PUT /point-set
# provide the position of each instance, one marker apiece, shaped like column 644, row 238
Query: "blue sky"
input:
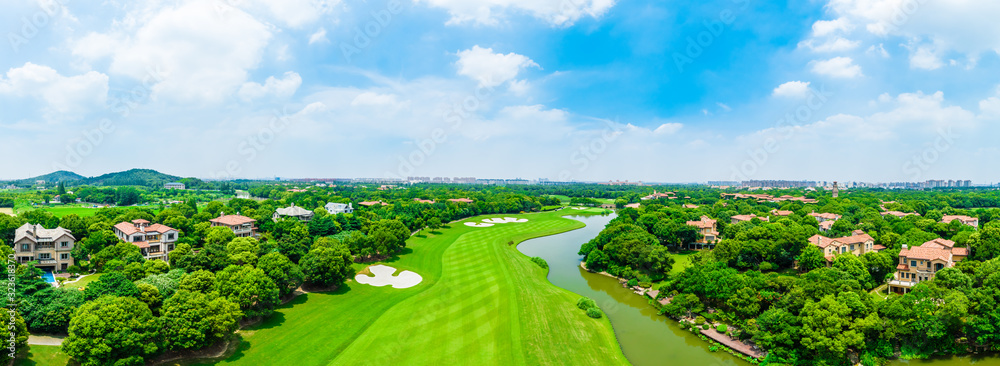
column 849, row 90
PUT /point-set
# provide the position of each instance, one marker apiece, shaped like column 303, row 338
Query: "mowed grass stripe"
column 481, row 302
column 492, row 307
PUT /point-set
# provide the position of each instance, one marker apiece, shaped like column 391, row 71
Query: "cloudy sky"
column 666, row 91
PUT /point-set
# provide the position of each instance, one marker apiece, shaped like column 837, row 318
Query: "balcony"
column 901, row 283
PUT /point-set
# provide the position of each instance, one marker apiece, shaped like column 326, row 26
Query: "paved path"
column 42, row 340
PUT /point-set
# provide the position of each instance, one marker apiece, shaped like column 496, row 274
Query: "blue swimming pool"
column 48, row 277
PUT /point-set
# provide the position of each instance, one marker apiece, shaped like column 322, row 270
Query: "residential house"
column 958, row 253
column 295, row 212
column 823, row 217
column 373, row 203
column 460, row 200
column 921, row 264
column 690, row 206
column 339, row 208
column 781, row 213
column 656, row 195
column 155, row 241
column 49, row 247
column 826, row 226
column 741, row 218
column 858, row 244
column 174, row 185
column 965, row 220
column 709, row 231
column 418, row 200
column 242, row 226
column 899, row 214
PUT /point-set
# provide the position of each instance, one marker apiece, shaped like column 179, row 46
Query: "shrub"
column 633, row 282
column 705, row 326
column 713, row 348
column 722, row 328
column 699, row 320
column 645, row 284
column 540, row 262
column 594, row 312
column 585, row 303
column 767, row 266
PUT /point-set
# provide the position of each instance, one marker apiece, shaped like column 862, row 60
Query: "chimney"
column 906, row 246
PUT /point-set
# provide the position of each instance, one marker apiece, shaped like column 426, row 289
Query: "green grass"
column 43, row 356
column 481, row 302
column 681, row 262
column 83, row 282
column 81, row 210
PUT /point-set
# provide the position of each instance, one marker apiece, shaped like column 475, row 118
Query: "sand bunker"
column 383, row 276
column 579, row 208
column 476, row 224
column 505, row 220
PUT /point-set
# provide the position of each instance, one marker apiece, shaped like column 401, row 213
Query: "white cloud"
column 838, row 67
column 968, row 27
column 792, row 89
column 878, row 50
column 724, row 106
column 491, row 69
column 319, row 36
column 490, row 12
column 291, row 13
column 282, row 88
column 826, row 27
column 668, row 128
column 63, row 94
column 204, row 52
column 924, row 57
column 837, row 44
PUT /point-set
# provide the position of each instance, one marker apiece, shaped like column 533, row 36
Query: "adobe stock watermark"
column 454, row 117
column 251, row 147
column 786, row 128
column 32, row 25
column 79, row 149
column 920, row 163
column 714, row 29
column 588, row 153
column 365, row 34
column 901, row 15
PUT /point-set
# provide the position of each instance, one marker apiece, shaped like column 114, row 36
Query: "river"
column 646, row 338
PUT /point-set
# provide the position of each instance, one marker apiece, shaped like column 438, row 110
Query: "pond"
column 646, row 338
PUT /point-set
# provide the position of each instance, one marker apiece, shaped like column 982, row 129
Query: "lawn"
column 481, row 302
column 81, row 210
column 681, row 262
column 43, row 356
column 83, row 282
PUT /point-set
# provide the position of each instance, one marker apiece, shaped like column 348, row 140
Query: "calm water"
column 645, row 337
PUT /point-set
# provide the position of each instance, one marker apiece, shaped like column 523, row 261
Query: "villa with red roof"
column 821, row 217
column 922, row 263
column 242, row 226
column 373, row 203
column 741, row 218
column 965, row 220
column 418, row 200
column 709, row 232
column 460, row 200
column 899, row 214
column 781, row 213
column 656, row 195
column 155, row 241
column 858, row 244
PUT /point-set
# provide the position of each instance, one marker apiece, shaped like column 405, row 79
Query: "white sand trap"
column 383, row 277
column 505, row 220
column 476, row 224
column 579, row 208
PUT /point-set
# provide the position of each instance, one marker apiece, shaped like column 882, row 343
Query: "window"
column 64, row 256
column 852, row 247
column 64, row 244
column 913, row 263
column 25, row 247
column 44, row 256
column 170, row 236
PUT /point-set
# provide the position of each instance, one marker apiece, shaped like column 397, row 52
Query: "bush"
column 722, row 328
column 699, row 320
column 713, row 348
column 645, row 284
column 594, row 312
column 540, row 262
column 705, row 326
column 585, row 303
column 767, row 266
column 633, row 282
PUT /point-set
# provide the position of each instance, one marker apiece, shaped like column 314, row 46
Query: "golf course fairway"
column 480, row 302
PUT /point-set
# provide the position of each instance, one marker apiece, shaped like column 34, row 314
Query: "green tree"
column 285, row 274
column 112, row 330
column 250, row 288
column 197, row 281
column 811, row 258
column 827, row 329
column 243, row 251
column 111, row 284
column 327, row 267
column 193, row 320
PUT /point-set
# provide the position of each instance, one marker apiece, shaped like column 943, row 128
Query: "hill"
column 54, row 177
column 134, row 177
